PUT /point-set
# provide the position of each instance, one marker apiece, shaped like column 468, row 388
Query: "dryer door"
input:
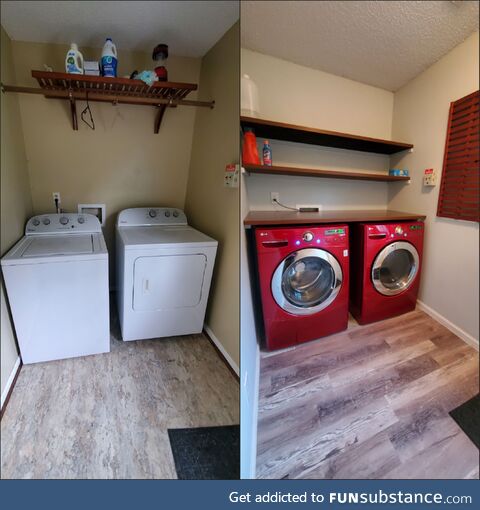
column 307, row 281
column 394, row 268
column 165, row 282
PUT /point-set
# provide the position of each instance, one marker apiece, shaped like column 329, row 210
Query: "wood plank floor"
column 370, row 402
column 106, row 416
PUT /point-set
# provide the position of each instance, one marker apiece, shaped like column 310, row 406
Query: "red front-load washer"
column 303, row 281
column 386, row 261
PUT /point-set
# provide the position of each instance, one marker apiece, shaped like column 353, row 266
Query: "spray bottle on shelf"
column 74, row 60
column 108, row 62
column 267, row 153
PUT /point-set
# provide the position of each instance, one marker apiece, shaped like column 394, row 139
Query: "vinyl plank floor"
column 370, row 402
column 106, row 416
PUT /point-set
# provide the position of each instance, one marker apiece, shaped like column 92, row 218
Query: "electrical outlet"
column 56, row 196
column 274, row 196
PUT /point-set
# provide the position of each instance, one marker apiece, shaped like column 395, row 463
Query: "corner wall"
column 16, row 200
column 210, row 206
column 299, row 95
column 450, row 273
column 122, row 163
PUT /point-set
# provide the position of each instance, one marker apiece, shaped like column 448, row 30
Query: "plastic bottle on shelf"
column 267, row 153
column 249, row 148
column 108, row 62
column 74, row 60
column 249, row 97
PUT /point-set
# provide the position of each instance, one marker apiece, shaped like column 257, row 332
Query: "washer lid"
column 42, row 246
column 152, row 237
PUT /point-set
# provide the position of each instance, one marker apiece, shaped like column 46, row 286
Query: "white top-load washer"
column 164, row 270
column 56, row 278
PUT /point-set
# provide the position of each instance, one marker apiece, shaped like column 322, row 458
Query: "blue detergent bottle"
column 108, row 63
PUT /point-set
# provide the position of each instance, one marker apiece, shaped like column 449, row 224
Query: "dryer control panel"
column 151, row 216
column 63, row 223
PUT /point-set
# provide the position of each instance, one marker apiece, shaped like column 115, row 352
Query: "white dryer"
column 56, row 278
column 164, row 270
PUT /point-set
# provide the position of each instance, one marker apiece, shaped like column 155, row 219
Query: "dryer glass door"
column 166, row 282
column 395, row 268
column 306, row 281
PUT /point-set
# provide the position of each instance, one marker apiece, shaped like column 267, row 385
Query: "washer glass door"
column 306, row 281
column 395, row 268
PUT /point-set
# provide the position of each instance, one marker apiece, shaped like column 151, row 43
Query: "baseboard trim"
column 10, row 385
column 221, row 350
column 466, row 337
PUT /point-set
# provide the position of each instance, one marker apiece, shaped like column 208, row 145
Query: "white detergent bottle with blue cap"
column 108, row 63
column 74, row 60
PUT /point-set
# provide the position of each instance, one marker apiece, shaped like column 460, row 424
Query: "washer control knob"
column 399, row 230
column 152, row 213
column 307, row 236
column 63, row 220
column 46, row 221
column 175, row 214
column 81, row 220
column 36, row 222
column 167, row 214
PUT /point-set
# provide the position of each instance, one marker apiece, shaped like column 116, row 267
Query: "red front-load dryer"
column 386, row 261
column 303, row 281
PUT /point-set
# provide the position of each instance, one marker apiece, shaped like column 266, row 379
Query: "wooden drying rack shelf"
column 74, row 87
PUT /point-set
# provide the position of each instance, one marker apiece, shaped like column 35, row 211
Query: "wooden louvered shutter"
column 459, row 190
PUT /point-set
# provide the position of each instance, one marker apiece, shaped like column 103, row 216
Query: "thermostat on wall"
column 96, row 209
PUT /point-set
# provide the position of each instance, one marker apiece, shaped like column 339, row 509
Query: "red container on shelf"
column 249, row 149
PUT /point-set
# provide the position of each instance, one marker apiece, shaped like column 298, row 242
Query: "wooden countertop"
column 257, row 218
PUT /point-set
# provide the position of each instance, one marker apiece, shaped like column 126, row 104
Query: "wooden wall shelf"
column 300, row 134
column 314, row 172
column 276, row 218
column 111, row 90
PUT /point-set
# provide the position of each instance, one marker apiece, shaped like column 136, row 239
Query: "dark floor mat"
column 468, row 418
column 206, row 453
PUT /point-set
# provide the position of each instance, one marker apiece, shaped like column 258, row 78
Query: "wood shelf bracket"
column 158, row 119
column 73, row 109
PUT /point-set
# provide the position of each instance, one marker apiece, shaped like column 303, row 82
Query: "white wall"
column 250, row 354
column 299, row 95
column 450, row 271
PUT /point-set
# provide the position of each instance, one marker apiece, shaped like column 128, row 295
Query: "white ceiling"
column 381, row 43
column 190, row 28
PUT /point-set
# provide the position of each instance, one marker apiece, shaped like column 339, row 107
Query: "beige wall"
column 210, row 206
column 122, row 163
column 299, row 95
column 16, row 201
column 450, row 271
